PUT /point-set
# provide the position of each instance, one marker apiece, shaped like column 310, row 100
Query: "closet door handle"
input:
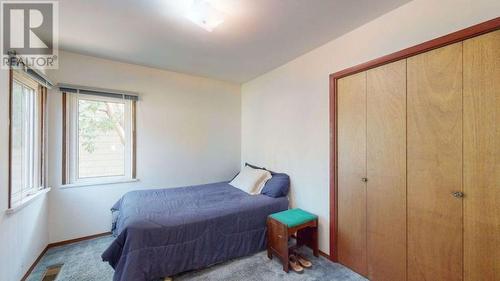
column 458, row 194
column 364, row 179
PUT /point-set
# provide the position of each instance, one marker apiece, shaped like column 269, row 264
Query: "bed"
column 163, row 232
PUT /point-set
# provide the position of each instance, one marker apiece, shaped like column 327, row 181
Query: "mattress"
column 162, row 232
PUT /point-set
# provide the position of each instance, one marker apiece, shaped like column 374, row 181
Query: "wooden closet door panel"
column 386, row 172
column 351, row 169
column 482, row 158
column 434, row 161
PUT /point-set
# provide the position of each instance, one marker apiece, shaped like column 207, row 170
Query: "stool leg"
column 286, row 264
column 285, row 259
column 270, row 236
column 315, row 241
column 284, row 248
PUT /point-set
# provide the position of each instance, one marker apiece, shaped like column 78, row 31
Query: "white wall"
column 24, row 234
column 285, row 113
column 188, row 132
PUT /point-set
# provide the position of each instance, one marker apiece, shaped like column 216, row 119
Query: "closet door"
column 386, row 172
column 482, row 158
column 434, row 102
column 351, row 208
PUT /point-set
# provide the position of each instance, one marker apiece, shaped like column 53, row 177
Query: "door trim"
column 461, row 35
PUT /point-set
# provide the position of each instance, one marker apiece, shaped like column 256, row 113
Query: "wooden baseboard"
column 57, row 244
column 325, row 255
column 34, row 264
column 65, row 242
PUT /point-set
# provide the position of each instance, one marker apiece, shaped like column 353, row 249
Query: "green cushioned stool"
column 282, row 225
column 294, row 217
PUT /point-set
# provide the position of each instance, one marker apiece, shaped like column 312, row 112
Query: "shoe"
column 303, row 261
column 295, row 265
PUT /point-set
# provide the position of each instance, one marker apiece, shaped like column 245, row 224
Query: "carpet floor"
column 82, row 262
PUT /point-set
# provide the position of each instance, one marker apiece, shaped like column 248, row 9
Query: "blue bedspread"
column 163, row 232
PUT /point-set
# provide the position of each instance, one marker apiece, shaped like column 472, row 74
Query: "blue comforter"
column 163, row 232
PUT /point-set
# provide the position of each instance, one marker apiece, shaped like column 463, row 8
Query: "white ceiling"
column 257, row 35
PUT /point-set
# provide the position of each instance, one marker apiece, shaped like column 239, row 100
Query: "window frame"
column 36, row 135
column 71, row 141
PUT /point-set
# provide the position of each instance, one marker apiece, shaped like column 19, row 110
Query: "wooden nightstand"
column 282, row 225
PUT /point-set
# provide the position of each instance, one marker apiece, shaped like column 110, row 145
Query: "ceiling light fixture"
column 205, row 15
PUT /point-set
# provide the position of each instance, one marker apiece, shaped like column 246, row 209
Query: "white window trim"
column 77, row 185
column 34, row 148
column 72, row 143
column 27, row 200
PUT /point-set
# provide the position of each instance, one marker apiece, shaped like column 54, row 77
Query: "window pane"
column 24, row 150
column 101, row 139
column 30, row 133
column 18, row 171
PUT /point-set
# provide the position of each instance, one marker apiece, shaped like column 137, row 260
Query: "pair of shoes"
column 298, row 263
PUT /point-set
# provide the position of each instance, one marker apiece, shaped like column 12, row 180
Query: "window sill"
column 75, row 185
column 27, row 200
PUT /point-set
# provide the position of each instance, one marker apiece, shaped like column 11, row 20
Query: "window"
column 26, row 153
column 99, row 139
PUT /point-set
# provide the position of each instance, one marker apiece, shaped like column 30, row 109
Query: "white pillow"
column 267, row 176
column 251, row 180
